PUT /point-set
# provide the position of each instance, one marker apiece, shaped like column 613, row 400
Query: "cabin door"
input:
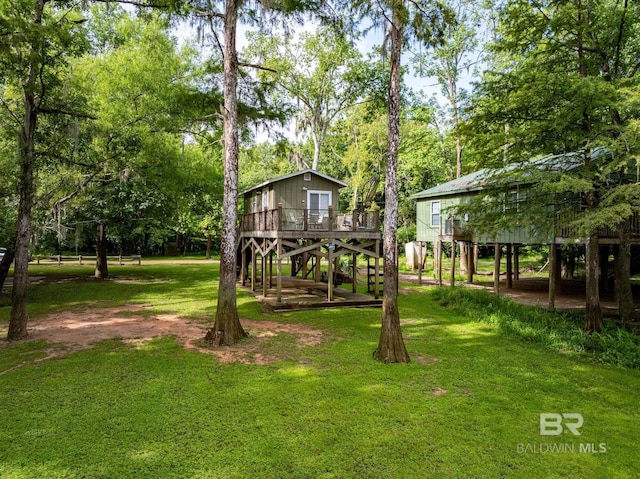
column 319, row 202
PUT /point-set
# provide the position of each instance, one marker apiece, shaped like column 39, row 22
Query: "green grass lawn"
column 467, row 406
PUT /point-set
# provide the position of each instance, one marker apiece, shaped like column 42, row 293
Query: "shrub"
column 561, row 332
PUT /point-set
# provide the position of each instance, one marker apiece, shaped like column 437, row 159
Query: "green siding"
column 291, row 193
column 429, row 233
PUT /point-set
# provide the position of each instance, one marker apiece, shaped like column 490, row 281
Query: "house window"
column 319, row 202
column 265, row 200
column 435, row 213
column 307, row 177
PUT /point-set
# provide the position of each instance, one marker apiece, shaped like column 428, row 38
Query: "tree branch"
column 257, row 67
column 57, row 111
column 135, row 3
column 209, row 15
column 10, row 112
column 70, row 196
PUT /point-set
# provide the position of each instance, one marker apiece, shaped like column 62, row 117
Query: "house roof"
column 342, row 184
column 479, row 179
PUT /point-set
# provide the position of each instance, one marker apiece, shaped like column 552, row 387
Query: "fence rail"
column 81, row 259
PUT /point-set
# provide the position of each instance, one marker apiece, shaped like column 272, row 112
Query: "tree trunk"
column 227, row 328
column 593, row 313
column 623, row 273
column 317, row 143
column 464, row 257
column 27, row 157
column 208, row 254
column 102, row 268
column 5, row 265
column 391, row 348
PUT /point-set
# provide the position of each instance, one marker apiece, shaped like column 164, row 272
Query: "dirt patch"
column 439, row 392
column 425, row 361
column 71, row 331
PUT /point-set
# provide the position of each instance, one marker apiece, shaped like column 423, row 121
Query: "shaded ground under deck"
column 300, row 294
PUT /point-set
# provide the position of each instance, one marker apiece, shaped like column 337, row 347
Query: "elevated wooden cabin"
column 295, row 217
column 436, row 223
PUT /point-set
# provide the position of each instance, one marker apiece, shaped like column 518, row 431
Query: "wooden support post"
column 470, row 264
column 420, row 263
column 254, row 260
column 264, row 273
column 376, row 286
column 476, row 256
column 354, row 272
column 279, row 209
column 435, row 260
column 516, row 262
column 496, row 268
column 305, row 260
column 279, row 278
column 80, row 260
column 439, row 262
column 330, row 225
column 317, row 273
column 553, row 277
column 509, row 266
column 271, row 270
column 330, row 277
column 243, row 264
column 453, row 263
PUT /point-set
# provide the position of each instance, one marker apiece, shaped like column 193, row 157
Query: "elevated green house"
column 441, row 218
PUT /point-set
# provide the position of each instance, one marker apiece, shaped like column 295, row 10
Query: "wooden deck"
column 300, row 223
column 301, row 294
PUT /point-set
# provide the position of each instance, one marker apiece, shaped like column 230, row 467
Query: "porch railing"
column 566, row 229
column 312, row 220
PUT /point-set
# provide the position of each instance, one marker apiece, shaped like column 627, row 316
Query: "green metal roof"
column 479, row 179
column 467, row 183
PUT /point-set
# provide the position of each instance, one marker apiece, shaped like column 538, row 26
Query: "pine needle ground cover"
column 468, row 405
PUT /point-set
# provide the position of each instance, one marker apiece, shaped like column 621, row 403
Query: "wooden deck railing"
column 312, row 220
column 566, row 230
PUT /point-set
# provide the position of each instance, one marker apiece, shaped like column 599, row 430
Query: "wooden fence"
column 135, row 259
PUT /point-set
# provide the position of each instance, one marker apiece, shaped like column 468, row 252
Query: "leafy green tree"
column 316, row 77
column 406, row 21
column 199, row 205
column 563, row 79
column 38, row 40
column 447, row 63
column 122, row 169
column 223, row 18
column 422, row 162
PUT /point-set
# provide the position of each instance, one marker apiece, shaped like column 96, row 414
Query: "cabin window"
column 307, row 177
column 265, row 200
column 319, row 202
column 513, row 200
column 435, row 213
